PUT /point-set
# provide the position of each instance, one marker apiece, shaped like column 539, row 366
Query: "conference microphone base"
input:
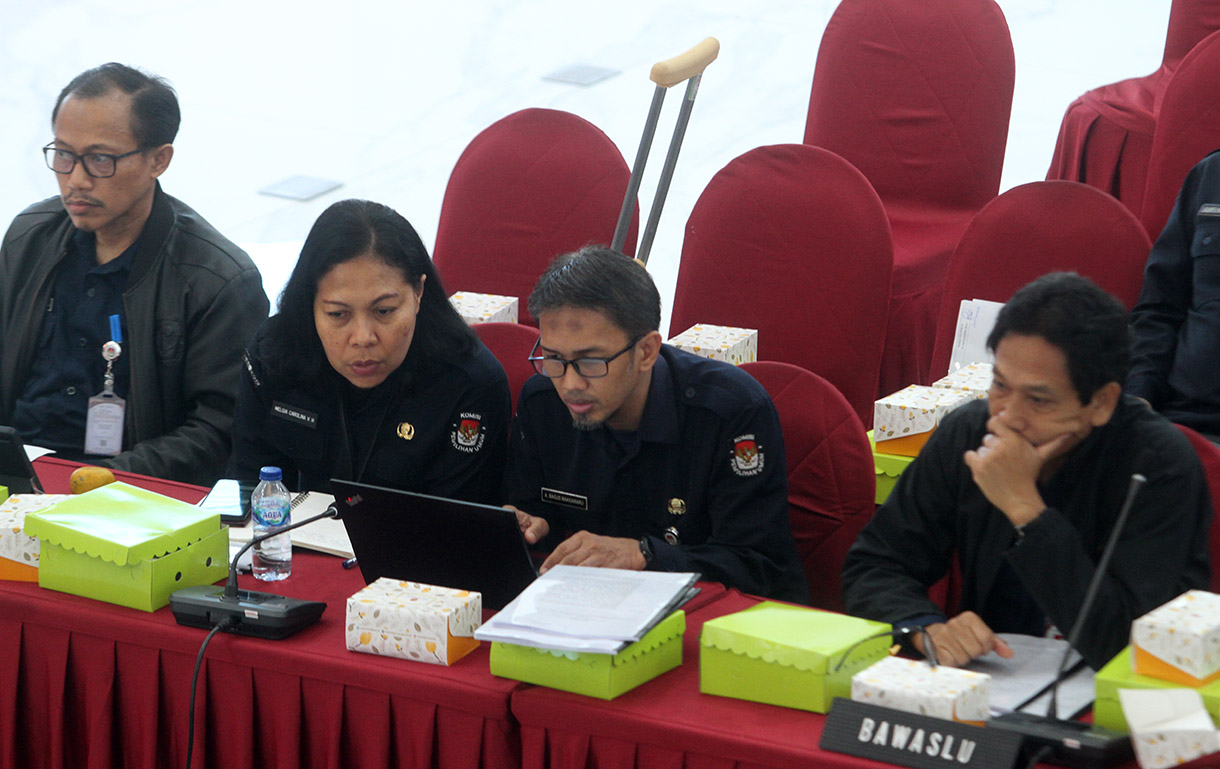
column 1071, row 743
column 262, row 615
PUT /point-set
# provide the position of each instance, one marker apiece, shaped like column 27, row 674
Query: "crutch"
column 688, row 66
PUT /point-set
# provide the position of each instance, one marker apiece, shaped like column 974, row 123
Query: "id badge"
column 104, row 424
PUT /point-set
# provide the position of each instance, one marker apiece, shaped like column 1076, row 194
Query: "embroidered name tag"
column 565, row 498
column 295, row 414
column 1209, row 209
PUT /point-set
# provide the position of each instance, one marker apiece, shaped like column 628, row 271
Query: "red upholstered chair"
column 1187, row 129
column 530, row 187
column 1034, row 229
column 511, row 343
column 830, row 472
column 1105, row 139
column 917, row 96
column 791, row 240
column 1209, row 457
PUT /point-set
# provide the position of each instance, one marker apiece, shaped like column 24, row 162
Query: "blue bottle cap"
column 270, row 473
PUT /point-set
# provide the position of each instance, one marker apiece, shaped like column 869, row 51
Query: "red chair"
column 530, row 187
column 1209, row 457
column 1034, row 229
column 512, row 344
column 1187, row 129
column 917, row 96
column 791, row 240
column 1105, row 139
column 831, row 479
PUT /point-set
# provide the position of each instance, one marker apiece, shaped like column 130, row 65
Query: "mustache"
column 81, row 199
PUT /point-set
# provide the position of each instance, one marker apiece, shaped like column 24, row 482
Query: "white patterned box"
column 974, row 379
column 1168, row 726
column 902, row 421
column 917, row 687
column 726, row 343
column 15, row 545
column 484, row 308
column 414, row 621
column 1179, row 641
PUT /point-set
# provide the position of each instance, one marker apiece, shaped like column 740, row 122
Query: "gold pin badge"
column 406, row 430
column 677, row 506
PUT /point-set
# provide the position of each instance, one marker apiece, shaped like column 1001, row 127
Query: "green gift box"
column 787, row 655
column 125, row 545
column 605, row 676
column 1119, row 673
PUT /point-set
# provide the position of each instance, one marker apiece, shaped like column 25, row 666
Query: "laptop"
column 437, row 541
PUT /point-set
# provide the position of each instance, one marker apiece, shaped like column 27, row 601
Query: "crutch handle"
column 684, row 66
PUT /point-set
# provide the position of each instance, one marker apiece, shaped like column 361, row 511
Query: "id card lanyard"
column 104, row 418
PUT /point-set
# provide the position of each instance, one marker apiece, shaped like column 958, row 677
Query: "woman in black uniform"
column 367, row 373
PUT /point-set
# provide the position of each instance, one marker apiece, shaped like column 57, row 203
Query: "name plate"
column 920, row 742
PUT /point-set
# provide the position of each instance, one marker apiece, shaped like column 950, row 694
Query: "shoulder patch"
column 747, row 458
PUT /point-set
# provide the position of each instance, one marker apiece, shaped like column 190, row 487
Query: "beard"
column 585, row 423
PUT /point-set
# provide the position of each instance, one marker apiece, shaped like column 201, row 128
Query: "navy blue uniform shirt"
column 68, row 367
column 706, row 465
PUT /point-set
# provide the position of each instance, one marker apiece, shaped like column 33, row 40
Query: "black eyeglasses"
column 99, row 165
column 589, row 368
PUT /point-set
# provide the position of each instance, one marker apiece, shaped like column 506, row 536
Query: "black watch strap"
column 646, row 550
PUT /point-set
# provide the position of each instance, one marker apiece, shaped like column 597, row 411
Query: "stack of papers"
column 1023, row 682
column 584, row 609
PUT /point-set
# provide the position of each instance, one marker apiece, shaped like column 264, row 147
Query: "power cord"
column 225, row 623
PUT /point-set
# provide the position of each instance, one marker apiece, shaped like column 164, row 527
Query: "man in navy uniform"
column 631, row 454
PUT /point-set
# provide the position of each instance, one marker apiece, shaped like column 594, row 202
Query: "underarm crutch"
column 688, row 66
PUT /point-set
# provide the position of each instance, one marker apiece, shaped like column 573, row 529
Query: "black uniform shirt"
column 705, row 478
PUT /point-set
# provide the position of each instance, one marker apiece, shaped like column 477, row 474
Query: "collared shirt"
column 68, row 366
column 704, row 478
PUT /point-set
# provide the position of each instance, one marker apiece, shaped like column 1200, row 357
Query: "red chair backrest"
column 1189, row 22
column 532, row 186
column 791, row 240
column 916, row 95
column 1187, row 130
column 1209, row 457
column 511, row 343
column 1034, row 229
column 831, row 478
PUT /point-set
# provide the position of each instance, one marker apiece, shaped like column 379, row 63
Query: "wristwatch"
column 646, row 550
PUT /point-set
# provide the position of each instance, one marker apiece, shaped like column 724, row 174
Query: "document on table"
column 975, row 319
column 577, row 608
column 1029, row 674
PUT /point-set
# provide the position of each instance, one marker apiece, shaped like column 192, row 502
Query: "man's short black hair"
column 1074, row 314
column 599, row 278
column 154, row 105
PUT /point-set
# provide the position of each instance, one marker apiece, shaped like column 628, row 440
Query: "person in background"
column 1023, row 490
column 631, row 454
column 113, row 259
column 367, row 373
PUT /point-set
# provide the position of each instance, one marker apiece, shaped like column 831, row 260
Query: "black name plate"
column 920, row 742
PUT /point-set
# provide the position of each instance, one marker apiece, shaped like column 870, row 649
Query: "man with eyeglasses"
column 123, row 313
column 631, row 454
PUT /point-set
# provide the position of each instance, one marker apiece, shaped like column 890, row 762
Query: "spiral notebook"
column 326, row 536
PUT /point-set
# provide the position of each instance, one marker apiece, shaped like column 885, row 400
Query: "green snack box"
column 1118, row 673
column 597, row 675
column 125, row 545
column 888, row 468
column 786, row 655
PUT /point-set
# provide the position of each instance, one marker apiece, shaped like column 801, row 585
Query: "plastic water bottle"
column 271, row 505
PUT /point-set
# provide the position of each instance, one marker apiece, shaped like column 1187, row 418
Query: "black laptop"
column 437, row 541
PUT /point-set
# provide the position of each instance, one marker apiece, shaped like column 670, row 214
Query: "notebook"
column 437, row 541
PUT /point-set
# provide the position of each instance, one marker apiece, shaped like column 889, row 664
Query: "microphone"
column 1076, row 743
column 252, row 613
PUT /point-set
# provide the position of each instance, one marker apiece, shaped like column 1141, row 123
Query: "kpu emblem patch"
column 467, row 434
column 747, row 456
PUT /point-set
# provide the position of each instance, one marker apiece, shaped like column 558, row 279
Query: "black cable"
column 1038, row 755
column 224, row 624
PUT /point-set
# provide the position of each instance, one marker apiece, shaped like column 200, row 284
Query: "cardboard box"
column 726, row 343
column 1168, row 727
column 916, row 687
column 1180, row 641
column 974, row 378
column 484, row 308
column 18, row 550
column 1119, row 673
column 413, row 621
column 122, row 544
column 604, row 676
column 903, row 421
column 787, row 655
column 889, row 468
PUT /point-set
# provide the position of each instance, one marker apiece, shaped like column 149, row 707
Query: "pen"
column 349, row 563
